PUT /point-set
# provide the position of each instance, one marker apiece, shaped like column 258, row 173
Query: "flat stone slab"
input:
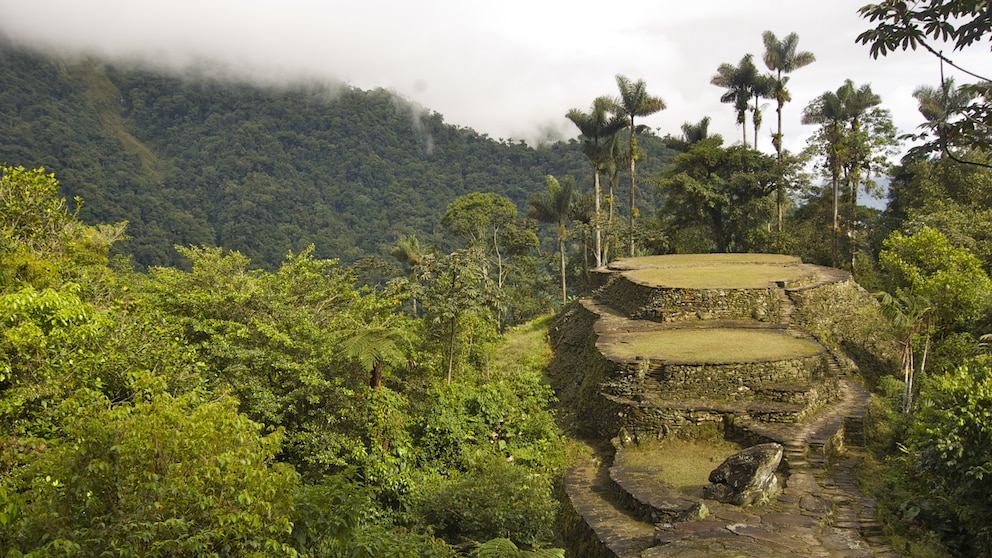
column 715, row 539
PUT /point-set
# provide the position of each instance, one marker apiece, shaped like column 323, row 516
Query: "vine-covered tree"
column 723, row 191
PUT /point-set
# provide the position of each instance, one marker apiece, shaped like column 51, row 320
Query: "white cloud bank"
column 510, row 68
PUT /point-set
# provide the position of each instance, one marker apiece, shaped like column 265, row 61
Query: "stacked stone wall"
column 578, row 372
column 733, row 380
column 669, row 304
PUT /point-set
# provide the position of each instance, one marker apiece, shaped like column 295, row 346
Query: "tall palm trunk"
column 780, row 186
column 836, row 225
column 598, row 241
column 561, row 255
column 633, row 181
column 853, row 225
column 614, row 182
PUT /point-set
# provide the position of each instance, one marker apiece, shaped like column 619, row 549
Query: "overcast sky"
column 509, row 68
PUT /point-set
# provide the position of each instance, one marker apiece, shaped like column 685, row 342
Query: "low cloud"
column 510, row 69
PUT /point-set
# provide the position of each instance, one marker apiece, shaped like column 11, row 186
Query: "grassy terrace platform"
column 708, row 345
column 712, row 271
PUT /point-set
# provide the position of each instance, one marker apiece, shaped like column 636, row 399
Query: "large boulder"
column 746, row 478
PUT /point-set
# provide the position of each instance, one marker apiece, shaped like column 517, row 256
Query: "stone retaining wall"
column 578, row 372
column 667, row 304
column 729, row 380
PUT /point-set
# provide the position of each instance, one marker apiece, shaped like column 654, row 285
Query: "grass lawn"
column 694, row 259
column 684, row 464
column 709, row 345
column 715, row 276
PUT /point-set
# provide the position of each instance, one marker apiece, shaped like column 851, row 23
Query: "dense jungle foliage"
column 287, row 321
column 233, row 411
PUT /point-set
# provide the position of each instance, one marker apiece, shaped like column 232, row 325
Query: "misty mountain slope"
column 262, row 170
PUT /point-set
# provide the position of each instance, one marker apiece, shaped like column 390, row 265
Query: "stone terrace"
column 671, row 344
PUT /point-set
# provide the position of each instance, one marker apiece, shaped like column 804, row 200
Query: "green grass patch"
column 715, row 276
column 695, row 259
column 684, row 464
column 524, row 347
column 710, row 345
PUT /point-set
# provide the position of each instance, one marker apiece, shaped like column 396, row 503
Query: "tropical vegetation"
column 310, row 321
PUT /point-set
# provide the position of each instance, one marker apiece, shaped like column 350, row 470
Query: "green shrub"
column 493, row 499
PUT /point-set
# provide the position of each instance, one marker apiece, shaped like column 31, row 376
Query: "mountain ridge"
column 260, row 169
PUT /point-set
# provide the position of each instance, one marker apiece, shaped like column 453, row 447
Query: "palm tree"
column 910, row 315
column 554, row 207
column 691, row 134
column 782, row 57
column 859, row 103
column 634, row 101
column 596, row 127
column 740, row 82
column 618, row 157
column 830, row 112
column 408, row 252
column 939, row 105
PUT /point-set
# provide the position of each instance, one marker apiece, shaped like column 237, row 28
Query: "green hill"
column 264, row 170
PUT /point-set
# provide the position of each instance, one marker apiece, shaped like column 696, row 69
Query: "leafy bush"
column 162, row 477
column 952, row 444
column 494, row 498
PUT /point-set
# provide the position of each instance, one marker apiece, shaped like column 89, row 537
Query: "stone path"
column 820, row 513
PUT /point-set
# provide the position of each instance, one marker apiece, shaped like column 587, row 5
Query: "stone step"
column 871, row 528
column 616, row 529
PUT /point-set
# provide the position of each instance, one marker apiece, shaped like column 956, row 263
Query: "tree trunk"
column 756, row 122
column 853, row 226
column 451, row 348
column 561, row 251
column 836, row 223
column 614, row 181
column 454, row 329
column 585, row 255
column 780, row 187
column 376, row 379
column 598, row 241
column 633, row 174
column 742, row 120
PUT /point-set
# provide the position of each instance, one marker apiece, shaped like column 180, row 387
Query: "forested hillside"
column 199, row 161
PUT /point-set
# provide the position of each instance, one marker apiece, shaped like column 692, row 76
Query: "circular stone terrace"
column 714, row 271
column 714, row 345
